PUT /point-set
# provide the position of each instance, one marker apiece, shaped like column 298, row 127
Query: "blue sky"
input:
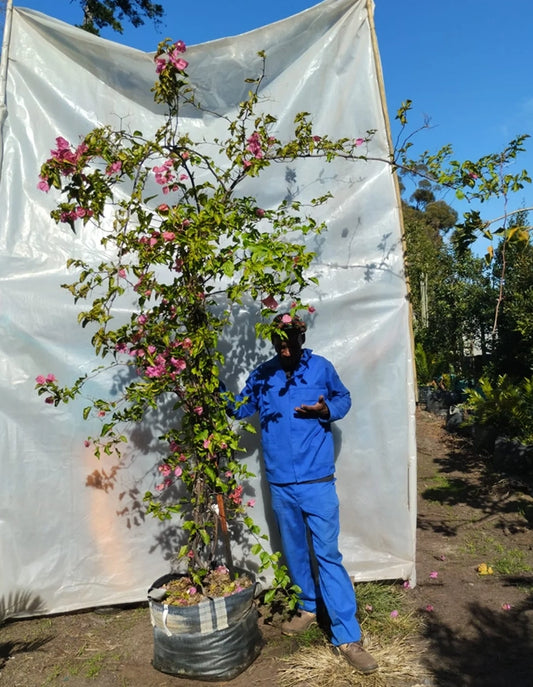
column 465, row 64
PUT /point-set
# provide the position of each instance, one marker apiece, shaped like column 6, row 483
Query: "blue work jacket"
column 295, row 449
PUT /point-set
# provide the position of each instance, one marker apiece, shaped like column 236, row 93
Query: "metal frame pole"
column 3, row 75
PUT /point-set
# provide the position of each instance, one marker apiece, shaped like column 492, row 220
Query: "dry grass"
column 318, row 666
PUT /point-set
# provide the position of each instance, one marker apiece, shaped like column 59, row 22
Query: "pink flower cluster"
column 236, row 495
column 41, row 379
column 114, row 168
column 165, row 177
column 167, row 472
column 152, row 365
column 159, row 368
column 65, row 156
column 77, row 213
column 173, row 57
column 254, row 146
column 155, row 236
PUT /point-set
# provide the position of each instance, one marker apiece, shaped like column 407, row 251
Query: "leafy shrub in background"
column 504, row 405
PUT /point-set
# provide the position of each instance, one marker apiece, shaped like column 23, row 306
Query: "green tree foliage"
column 461, row 304
column 451, row 293
column 98, row 14
column 513, row 273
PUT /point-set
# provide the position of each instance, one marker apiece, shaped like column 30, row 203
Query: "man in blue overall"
column 298, row 395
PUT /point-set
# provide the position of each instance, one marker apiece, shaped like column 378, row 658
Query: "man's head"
column 290, row 339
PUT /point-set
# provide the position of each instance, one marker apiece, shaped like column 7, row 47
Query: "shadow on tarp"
column 21, row 602
column 242, row 352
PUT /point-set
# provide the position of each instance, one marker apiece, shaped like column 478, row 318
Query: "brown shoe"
column 357, row 657
column 299, row 623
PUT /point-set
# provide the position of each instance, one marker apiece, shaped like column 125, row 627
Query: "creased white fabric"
column 72, row 532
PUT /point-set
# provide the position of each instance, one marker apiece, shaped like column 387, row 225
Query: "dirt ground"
column 477, row 629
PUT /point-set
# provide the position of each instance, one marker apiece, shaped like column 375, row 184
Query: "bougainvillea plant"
column 186, row 250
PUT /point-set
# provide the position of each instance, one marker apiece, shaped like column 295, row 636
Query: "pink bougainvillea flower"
column 506, row 607
column 250, row 503
column 179, row 62
column 394, row 614
column 246, row 164
column 51, row 378
column 163, row 208
column 186, row 343
column 114, row 167
column 228, row 473
column 160, row 64
column 430, row 608
column 311, row 309
column 142, row 319
column 159, row 487
column 359, row 141
column 43, row 185
column 168, row 235
column 198, row 410
column 259, row 212
column 406, row 585
column 191, row 591
column 316, row 139
column 254, row 145
column 178, row 471
column 433, row 575
column 180, row 46
column 40, row 379
column 236, row 495
column 165, row 469
column 49, row 400
column 207, row 443
column 286, row 319
column 62, row 144
column 270, row 302
column 101, row 413
column 190, row 554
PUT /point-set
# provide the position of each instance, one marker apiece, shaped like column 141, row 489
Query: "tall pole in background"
column 3, row 75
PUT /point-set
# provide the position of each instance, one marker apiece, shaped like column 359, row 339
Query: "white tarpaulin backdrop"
column 72, row 533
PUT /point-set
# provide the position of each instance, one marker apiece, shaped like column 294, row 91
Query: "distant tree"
column 513, row 273
column 98, row 14
column 423, row 195
column 440, row 215
column 451, row 292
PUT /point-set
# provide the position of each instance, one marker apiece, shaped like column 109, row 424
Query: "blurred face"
column 289, row 350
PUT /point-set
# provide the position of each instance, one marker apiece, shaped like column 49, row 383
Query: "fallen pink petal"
column 433, row 575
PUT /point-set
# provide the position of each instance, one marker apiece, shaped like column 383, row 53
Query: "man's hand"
column 318, row 410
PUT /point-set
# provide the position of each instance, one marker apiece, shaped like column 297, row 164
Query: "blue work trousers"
column 314, row 507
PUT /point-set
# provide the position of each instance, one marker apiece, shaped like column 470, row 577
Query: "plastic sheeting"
column 72, row 529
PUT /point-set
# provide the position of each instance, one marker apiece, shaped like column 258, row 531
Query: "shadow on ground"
column 498, row 652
